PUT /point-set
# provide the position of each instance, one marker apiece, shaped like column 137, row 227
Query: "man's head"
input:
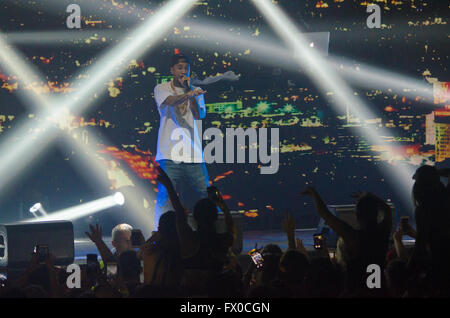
column 427, row 175
column 180, row 68
column 428, row 188
column 367, row 210
column 121, row 238
column 167, row 224
column 205, row 213
column 294, row 264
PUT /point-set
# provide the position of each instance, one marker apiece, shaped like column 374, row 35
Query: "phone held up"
column 136, row 238
column 257, row 258
column 318, row 241
column 92, row 264
column 42, row 252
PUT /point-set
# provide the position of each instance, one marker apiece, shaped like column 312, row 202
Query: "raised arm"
column 53, row 281
column 96, row 237
column 343, row 229
column 188, row 240
column 229, row 223
column 195, row 94
column 386, row 223
column 289, row 229
column 178, row 99
column 423, row 234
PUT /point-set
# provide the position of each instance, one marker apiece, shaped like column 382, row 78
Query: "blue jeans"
column 192, row 175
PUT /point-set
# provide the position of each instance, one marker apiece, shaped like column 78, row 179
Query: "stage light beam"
column 142, row 38
column 82, row 210
column 326, row 80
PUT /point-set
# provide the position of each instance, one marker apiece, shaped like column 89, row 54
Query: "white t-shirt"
column 178, row 135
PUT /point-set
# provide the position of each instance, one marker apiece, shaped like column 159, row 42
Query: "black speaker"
column 346, row 213
column 221, row 228
column 17, row 242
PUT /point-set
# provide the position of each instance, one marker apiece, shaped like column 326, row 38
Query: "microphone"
column 188, row 82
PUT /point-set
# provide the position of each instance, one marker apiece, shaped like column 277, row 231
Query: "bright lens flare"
column 120, row 199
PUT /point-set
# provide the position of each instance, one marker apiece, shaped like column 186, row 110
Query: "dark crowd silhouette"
column 177, row 261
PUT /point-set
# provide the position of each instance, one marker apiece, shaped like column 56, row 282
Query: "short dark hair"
column 180, row 58
column 167, row 224
column 427, row 174
column 129, row 265
column 205, row 212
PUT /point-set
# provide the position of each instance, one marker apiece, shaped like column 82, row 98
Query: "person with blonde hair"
column 121, row 241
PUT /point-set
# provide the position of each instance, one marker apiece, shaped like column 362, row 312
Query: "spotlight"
column 38, row 207
column 120, row 199
column 35, row 207
column 82, row 210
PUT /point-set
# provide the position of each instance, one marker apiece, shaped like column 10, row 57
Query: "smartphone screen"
column 136, row 238
column 318, row 241
column 92, row 265
column 257, row 259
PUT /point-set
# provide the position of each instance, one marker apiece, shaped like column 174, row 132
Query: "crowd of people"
column 177, row 261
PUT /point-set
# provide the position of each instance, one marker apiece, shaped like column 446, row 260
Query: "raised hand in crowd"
column 300, row 247
column 95, row 235
column 220, row 202
column 289, row 228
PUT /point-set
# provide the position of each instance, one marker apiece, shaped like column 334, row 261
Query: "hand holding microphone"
column 186, row 81
column 198, row 91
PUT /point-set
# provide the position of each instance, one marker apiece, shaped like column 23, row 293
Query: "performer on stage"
column 181, row 107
